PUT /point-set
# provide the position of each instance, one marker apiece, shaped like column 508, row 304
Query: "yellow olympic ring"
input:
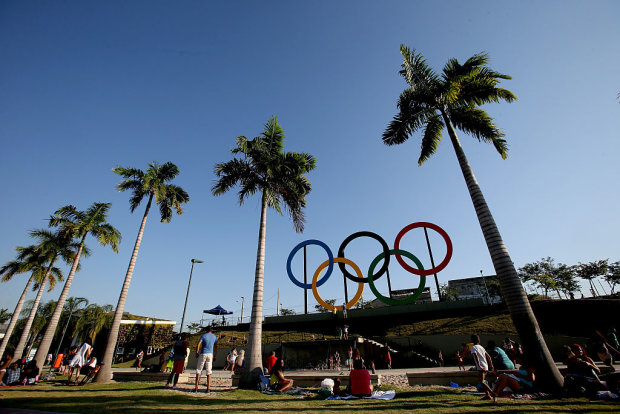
column 315, row 290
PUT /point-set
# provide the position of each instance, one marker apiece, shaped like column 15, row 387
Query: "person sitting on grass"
column 484, row 364
column 30, row 373
column 605, row 356
column 519, row 382
column 5, row 363
column 277, row 381
column 12, row 375
column 239, row 362
column 499, row 357
column 359, row 380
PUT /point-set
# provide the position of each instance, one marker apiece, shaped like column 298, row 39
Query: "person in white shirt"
column 80, row 358
column 484, row 364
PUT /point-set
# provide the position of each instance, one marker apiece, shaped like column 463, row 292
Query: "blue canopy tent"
column 218, row 310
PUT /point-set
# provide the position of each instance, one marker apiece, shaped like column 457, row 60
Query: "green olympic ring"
column 391, row 301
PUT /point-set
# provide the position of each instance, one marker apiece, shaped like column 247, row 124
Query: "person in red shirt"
column 271, row 361
column 359, row 380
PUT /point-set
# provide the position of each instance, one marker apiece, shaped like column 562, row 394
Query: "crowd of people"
column 582, row 375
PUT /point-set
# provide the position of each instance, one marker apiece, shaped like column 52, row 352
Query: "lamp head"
column 197, row 261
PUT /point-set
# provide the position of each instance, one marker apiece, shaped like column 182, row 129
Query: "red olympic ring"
column 433, row 270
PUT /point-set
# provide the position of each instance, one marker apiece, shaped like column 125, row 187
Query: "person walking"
column 206, row 353
column 484, row 364
column 180, row 351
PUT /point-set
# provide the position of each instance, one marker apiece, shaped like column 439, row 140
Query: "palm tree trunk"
column 519, row 306
column 592, row 289
column 46, row 342
column 105, row 374
column 254, row 365
column 19, row 349
column 14, row 317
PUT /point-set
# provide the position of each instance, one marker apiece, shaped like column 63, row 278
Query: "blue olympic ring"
column 329, row 269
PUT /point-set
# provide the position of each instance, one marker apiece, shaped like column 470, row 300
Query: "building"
column 481, row 287
column 148, row 334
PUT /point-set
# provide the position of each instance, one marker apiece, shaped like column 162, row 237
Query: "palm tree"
column 77, row 224
column 52, row 245
column 92, row 320
column 279, row 177
column 42, row 316
column 72, row 305
column 452, row 100
column 592, row 270
column 29, row 260
column 7, row 272
column 4, row 316
column 152, row 184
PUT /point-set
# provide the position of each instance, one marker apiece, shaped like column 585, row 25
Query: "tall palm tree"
column 77, row 224
column 154, row 183
column 279, row 177
column 29, row 260
column 7, row 272
column 452, row 100
column 51, row 246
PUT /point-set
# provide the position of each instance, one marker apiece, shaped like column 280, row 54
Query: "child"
column 483, row 364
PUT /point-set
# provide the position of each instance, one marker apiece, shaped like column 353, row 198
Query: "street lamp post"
column 187, row 294
column 242, row 302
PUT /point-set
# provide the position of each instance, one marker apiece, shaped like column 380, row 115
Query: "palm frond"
column 415, row 69
column 412, row 116
column 167, row 171
column 106, row 234
column 132, row 174
column 431, row 138
column 273, row 135
column 242, row 145
column 229, row 174
column 479, row 124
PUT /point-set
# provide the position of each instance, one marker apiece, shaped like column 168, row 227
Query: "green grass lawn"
column 140, row 397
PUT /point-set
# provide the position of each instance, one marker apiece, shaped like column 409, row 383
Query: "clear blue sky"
column 90, row 85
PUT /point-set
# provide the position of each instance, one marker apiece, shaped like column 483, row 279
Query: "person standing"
column 206, row 353
column 139, row 359
column 271, row 361
column 80, row 359
column 484, row 364
column 180, row 351
column 345, row 332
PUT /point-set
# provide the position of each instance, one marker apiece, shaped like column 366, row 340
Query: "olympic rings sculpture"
column 372, row 276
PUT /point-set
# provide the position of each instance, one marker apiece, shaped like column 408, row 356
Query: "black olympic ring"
column 386, row 252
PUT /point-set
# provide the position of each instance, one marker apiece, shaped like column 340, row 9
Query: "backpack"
column 263, row 383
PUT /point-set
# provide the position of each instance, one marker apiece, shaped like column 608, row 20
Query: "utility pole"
column 278, row 304
column 485, row 288
column 242, row 302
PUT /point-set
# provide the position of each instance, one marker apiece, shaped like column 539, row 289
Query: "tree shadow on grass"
column 248, row 401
